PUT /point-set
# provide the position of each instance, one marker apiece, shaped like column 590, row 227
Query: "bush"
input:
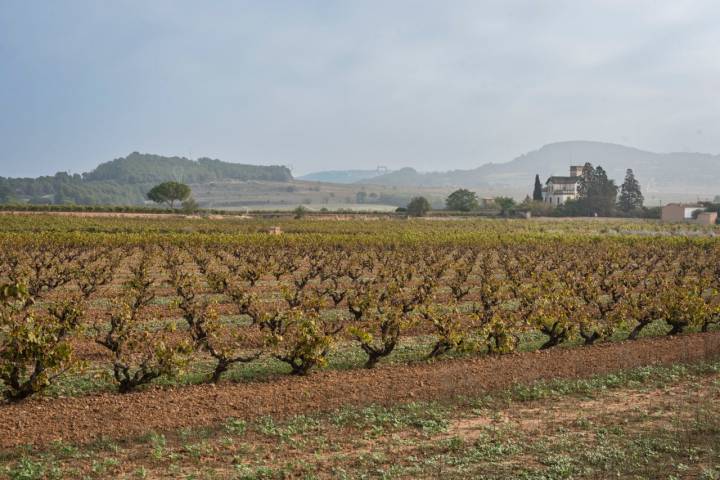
column 462, row 200
column 300, row 212
column 506, row 205
column 418, row 207
column 190, row 206
column 538, row 209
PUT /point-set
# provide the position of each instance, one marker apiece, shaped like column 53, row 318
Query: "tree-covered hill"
column 127, row 180
column 146, row 168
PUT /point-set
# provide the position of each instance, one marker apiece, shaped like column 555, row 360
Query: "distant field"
column 333, row 207
column 316, row 195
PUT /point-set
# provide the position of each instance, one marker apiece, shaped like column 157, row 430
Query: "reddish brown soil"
column 85, row 419
column 106, row 214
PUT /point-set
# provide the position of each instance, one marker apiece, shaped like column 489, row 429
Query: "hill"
column 145, row 168
column 126, row 180
column 340, row 176
column 670, row 174
column 409, row 177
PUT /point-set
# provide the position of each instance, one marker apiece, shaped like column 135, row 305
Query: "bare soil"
column 100, row 214
column 85, row 419
column 648, row 409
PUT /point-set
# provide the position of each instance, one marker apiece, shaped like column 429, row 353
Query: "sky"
column 323, row 85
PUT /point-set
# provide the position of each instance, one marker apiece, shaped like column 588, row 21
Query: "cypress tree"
column 537, row 192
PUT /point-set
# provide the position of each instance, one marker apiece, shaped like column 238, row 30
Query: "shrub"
column 462, row 200
column 190, row 206
column 418, row 207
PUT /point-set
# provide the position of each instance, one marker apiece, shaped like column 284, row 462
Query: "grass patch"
column 538, row 431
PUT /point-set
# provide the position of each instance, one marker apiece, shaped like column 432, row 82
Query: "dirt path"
column 647, row 409
column 85, row 419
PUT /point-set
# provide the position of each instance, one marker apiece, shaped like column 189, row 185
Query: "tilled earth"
column 89, row 418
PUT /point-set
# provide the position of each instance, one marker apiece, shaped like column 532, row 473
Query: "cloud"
column 324, row 84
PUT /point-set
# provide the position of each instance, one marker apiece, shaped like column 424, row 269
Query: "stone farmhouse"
column 559, row 190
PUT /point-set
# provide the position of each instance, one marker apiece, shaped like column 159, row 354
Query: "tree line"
column 599, row 195
column 461, row 200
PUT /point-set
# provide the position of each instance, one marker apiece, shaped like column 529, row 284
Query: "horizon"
column 325, row 86
column 296, row 174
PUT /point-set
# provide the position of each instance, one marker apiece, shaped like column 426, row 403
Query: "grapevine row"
column 155, row 307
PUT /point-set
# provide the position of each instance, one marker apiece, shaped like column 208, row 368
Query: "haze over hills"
column 214, row 184
column 664, row 177
column 675, row 175
column 340, row 176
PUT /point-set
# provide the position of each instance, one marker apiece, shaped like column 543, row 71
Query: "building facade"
column 559, row 190
column 681, row 212
column 707, row 218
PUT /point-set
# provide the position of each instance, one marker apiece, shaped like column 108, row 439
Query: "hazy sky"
column 351, row 84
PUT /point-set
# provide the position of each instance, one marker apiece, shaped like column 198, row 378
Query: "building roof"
column 565, row 180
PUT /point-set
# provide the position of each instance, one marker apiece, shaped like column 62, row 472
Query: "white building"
column 559, row 190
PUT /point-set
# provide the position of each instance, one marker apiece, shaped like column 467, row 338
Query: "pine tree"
column 596, row 193
column 603, row 193
column 631, row 197
column 599, row 182
column 537, row 192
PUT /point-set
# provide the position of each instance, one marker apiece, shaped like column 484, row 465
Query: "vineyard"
column 116, row 327
column 85, row 296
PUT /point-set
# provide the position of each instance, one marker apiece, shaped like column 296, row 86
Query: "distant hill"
column 409, row 177
column 339, row 176
column 146, row 168
column 126, row 180
column 662, row 173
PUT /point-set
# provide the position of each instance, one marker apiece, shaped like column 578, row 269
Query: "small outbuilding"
column 681, row 212
column 707, row 218
column 691, row 213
